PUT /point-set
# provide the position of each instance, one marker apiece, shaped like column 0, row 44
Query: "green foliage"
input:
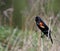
column 6, row 4
column 56, row 6
column 52, row 5
column 19, row 5
column 17, row 37
column 4, row 33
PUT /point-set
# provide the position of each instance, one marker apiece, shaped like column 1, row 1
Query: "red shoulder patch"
column 41, row 25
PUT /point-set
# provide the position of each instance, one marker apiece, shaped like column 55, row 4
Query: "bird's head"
column 37, row 19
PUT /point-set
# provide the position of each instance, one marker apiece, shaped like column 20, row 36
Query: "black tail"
column 50, row 38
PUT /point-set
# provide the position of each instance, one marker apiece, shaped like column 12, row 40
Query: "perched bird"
column 43, row 27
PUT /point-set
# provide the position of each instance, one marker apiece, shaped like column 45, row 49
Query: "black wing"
column 43, row 27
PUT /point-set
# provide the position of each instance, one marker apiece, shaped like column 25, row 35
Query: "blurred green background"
column 18, row 31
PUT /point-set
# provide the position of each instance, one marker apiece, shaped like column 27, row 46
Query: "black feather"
column 44, row 30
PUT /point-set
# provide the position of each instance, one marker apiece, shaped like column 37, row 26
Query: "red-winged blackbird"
column 43, row 27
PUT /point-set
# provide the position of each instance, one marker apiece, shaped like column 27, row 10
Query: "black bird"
column 43, row 27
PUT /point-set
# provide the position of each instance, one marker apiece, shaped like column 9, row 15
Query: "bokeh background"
column 18, row 30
